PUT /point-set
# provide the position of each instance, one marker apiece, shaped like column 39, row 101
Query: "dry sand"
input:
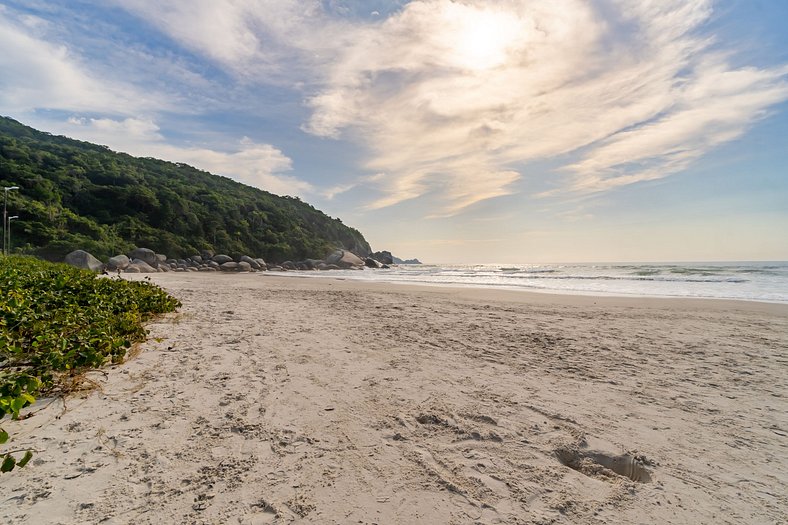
column 280, row 400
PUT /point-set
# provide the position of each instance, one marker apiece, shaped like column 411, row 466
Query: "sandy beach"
column 270, row 399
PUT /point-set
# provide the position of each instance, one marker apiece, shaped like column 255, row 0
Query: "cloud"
column 455, row 99
column 452, row 102
column 254, row 164
column 37, row 73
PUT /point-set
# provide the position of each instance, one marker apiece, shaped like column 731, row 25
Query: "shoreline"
column 282, row 400
column 495, row 289
column 522, row 295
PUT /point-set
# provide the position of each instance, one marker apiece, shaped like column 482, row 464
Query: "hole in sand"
column 588, row 463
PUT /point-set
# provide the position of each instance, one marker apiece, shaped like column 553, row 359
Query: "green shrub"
column 56, row 321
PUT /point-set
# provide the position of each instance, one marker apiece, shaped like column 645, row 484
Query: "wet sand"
column 270, row 399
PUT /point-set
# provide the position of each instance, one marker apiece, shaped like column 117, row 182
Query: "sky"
column 453, row 131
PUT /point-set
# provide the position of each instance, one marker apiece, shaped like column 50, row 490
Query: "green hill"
column 80, row 195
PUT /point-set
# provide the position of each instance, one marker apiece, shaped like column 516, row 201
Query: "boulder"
column 244, row 266
column 383, row 257
column 192, row 269
column 288, row 265
column 369, row 262
column 141, row 266
column 206, row 254
column 325, row 266
column 221, row 258
column 251, row 262
column 160, row 259
column 146, row 255
column 82, row 259
column 213, row 264
column 131, row 269
column 196, row 258
column 262, row 264
column 229, row 266
column 119, row 262
column 207, row 269
column 344, row 259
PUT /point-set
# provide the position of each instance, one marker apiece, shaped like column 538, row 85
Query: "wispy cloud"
column 457, row 98
column 37, row 73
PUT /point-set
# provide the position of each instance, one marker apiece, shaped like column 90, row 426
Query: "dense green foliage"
column 57, row 320
column 77, row 195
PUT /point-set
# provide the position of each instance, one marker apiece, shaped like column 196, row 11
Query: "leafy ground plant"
column 57, row 321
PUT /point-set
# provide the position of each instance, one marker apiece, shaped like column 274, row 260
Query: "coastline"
column 270, row 399
column 525, row 295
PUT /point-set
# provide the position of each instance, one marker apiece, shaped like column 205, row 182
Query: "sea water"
column 756, row 281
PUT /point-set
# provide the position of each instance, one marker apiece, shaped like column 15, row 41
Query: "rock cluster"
column 145, row 260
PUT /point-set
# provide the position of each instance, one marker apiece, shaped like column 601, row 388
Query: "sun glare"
column 483, row 39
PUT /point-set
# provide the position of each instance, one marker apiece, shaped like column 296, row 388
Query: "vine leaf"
column 8, row 464
column 22, row 462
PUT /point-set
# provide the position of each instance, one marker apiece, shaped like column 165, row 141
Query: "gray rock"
column 369, row 262
column 229, row 266
column 119, row 262
column 383, row 257
column 192, row 269
column 141, row 266
column 207, row 269
column 213, row 264
column 344, row 259
column 244, row 266
column 131, row 269
column 179, row 270
column 82, row 259
column 146, row 255
column 251, row 262
column 262, row 263
column 196, row 258
column 288, row 265
column 221, row 258
column 206, row 254
column 160, row 259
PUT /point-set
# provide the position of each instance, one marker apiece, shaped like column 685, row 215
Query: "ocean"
column 754, row 281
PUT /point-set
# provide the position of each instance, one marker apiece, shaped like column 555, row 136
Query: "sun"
column 482, row 39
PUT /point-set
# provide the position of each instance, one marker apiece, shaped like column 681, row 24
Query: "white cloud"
column 455, row 98
column 36, row 74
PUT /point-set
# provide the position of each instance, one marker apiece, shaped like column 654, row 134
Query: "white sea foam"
column 757, row 281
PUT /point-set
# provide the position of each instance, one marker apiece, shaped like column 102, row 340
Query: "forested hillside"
column 75, row 194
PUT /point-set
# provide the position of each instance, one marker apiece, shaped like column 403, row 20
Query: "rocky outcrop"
column 84, row 260
column 383, row 257
column 144, row 260
column 406, row 261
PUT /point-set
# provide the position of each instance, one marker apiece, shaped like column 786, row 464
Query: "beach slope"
column 281, row 400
